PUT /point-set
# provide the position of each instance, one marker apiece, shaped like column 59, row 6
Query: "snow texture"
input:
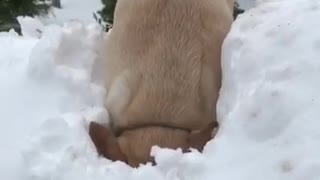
column 268, row 108
column 46, row 84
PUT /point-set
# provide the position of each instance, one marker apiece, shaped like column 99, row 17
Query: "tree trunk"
column 56, row 3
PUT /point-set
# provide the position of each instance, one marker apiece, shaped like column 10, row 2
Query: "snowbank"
column 268, row 107
column 16, row 95
column 269, row 103
column 45, row 81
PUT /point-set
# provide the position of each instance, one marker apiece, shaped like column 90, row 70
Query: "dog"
column 163, row 76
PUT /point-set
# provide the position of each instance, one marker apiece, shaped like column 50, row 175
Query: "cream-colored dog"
column 163, row 76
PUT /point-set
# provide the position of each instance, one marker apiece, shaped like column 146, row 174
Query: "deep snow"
column 44, row 79
column 13, row 109
column 268, row 106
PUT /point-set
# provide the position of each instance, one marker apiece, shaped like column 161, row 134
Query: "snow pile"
column 269, row 104
column 16, row 98
column 268, row 107
column 47, row 79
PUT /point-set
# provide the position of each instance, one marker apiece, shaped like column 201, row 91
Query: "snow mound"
column 268, row 107
column 46, row 81
column 270, row 96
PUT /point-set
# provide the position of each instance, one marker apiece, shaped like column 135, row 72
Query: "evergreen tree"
column 11, row 9
column 107, row 13
column 56, row 3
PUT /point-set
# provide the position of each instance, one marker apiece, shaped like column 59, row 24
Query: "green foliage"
column 11, row 9
column 106, row 13
column 108, row 10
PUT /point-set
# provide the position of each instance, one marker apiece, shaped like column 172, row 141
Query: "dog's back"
column 163, row 66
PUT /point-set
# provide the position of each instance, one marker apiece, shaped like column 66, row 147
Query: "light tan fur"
column 163, row 68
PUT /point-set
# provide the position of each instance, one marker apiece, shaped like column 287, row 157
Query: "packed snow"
column 268, row 108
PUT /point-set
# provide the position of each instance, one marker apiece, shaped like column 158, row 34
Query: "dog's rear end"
column 163, row 72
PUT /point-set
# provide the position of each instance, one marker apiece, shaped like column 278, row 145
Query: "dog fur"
column 163, row 75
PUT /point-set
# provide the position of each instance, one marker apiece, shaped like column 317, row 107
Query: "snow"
column 73, row 10
column 268, row 107
column 269, row 100
column 247, row 4
column 32, row 27
column 44, row 81
column 12, row 109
